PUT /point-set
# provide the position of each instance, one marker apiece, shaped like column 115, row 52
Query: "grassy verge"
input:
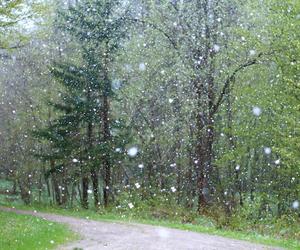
column 24, row 232
column 202, row 227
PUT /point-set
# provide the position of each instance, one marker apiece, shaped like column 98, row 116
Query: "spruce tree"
column 97, row 27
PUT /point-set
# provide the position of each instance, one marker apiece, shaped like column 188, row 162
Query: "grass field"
column 24, row 232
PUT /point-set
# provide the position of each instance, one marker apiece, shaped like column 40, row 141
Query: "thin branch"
column 230, row 79
column 154, row 26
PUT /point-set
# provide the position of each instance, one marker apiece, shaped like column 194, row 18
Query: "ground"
column 24, row 232
column 96, row 235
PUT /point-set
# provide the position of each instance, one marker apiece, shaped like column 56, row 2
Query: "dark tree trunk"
column 25, row 192
column 55, row 184
column 85, row 187
column 94, row 177
column 106, row 130
column 106, row 160
column 64, row 191
column 205, row 94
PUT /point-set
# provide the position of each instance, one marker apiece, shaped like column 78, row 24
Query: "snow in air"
column 163, row 233
column 277, row 162
column 295, row 204
column 267, row 150
column 132, row 152
column 217, row 48
column 252, row 52
column 130, row 205
column 142, row 67
column 256, row 111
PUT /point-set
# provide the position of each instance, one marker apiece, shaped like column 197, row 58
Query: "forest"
column 162, row 109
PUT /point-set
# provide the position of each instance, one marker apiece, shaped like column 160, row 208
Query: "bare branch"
column 154, row 26
column 230, row 79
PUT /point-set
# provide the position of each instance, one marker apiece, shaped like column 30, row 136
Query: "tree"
column 91, row 82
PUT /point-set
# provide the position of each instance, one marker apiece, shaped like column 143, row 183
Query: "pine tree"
column 100, row 25
column 97, row 27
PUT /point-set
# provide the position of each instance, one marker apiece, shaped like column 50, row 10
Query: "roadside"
column 117, row 235
column 25, row 232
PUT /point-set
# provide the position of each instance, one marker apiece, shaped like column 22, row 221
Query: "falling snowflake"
column 256, row 111
column 141, row 166
column 137, row 185
column 163, row 233
column 130, row 205
column 75, row 160
column 90, row 191
column 277, row 162
column 252, row 52
column 267, row 150
column 132, row 152
column 217, row 48
column 295, row 205
column 173, row 189
column 142, row 67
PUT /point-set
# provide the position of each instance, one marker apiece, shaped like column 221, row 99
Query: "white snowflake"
column 252, row 52
column 132, row 152
column 277, row 162
column 295, row 205
column 267, row 150
column 256, row 111
column 130, row 205
column 142, row 67
column 217, row 48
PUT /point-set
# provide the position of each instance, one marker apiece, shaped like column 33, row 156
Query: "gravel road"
column 97, row 235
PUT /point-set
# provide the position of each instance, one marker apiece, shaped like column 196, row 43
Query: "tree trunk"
column 106, row 130
column 106, row 160
column 25, row 192
column 85, row 187
column 55, row 184
column 94, row 177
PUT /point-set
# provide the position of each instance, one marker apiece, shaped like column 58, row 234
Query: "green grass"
column 203, row 226
column 24, row 232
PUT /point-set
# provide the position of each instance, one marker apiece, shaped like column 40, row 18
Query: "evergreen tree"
column 98, row 27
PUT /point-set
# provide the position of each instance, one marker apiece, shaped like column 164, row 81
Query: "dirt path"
column 98, row 235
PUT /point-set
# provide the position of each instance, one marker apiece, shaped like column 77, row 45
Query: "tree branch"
column 154, row 26
column 230, row 78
